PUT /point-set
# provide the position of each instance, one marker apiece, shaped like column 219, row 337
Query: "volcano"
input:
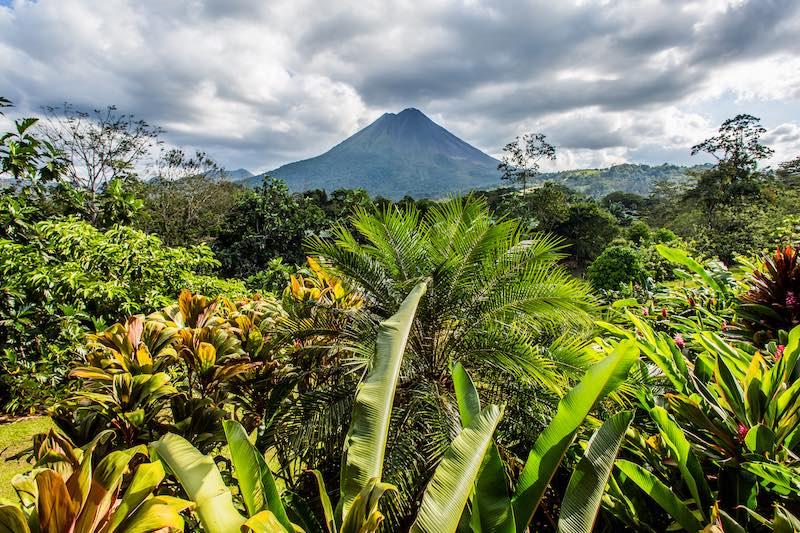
column 397, row 155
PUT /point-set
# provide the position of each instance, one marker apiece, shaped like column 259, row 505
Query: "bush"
column 63, row 278
column 638, row 232
column 617, row 265
column 663, row 236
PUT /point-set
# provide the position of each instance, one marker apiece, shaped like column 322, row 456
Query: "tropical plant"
column 772, row 301
column 493, row 510
column 67, row 493
column 617, row 265
column 495, row 303
column 171, row 371
column 471, row 467
column 726, row 449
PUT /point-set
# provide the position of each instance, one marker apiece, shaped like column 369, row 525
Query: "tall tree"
column 523, row 157
column 737, row 148
column 266, row 223
column 188, row 201
column 99, row 146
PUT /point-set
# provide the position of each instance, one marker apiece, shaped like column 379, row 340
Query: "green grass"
column 14, row 438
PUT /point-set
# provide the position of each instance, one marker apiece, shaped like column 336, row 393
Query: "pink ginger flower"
column 791, row 299
column 664, row 312
column 679, row 342
column 779, row 352
column 645, row 311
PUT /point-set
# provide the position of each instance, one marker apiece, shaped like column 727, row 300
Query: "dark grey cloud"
column 259, row 84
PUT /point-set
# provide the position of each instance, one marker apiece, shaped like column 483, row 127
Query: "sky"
column 259, row 84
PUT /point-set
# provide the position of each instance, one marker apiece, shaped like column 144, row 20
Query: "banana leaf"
column 588, row 482
column 491, row 509
column 365, row 444
column 552, row 443
column 454, row 479
column 200, row 478
column 256, row 483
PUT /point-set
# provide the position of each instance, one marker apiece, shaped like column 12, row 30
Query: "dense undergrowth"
column 429, row 366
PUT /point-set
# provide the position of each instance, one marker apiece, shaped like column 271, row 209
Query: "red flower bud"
column 645, row 311
column 779, row 352
column 742, row 432
column 664, row 312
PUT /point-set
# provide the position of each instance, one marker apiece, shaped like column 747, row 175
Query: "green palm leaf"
column 588, row 482
column 454, row 479
column 365, row 444
column 552, row 444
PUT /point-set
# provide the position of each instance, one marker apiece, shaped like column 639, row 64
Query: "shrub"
column 772, row 302
column 638, row 232
column 62, row 278
column 663, row 236
column 617, row 265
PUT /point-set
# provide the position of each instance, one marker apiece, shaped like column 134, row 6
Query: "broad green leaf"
column 454, row 479
column 730, row 388
column 760, row 439
column 264, row 522
column 200, row 478
column 155, row 514
column 492, row 503
column 588, row 482
column 552, row 443
column 145, row 480
column 776, row 477
column 662, row 495
column 365, row 444
column 691, row 471
column 469, row 404
column 256, row 483
column 682, row 258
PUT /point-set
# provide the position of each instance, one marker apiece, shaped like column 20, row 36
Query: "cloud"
column 259, row 84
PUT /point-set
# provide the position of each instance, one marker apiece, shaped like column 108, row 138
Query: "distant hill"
column 397, row 155
column 626, row 177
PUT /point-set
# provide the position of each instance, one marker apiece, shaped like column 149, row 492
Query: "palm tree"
column 499, row 305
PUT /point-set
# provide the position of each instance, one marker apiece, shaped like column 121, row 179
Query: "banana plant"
column 65, row 493
column 551, row 445
column 203, row 483
column 494, row 510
